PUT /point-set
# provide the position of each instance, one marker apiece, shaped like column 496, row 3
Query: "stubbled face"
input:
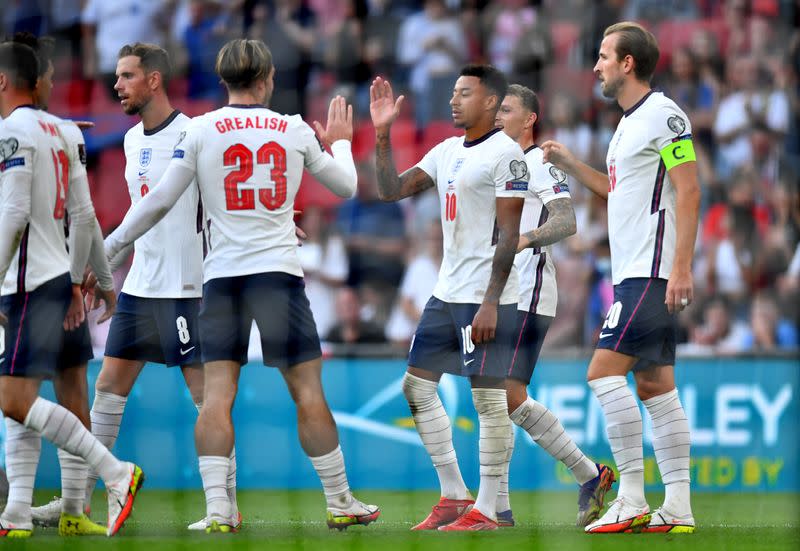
column 608, row 68
column 512, row 117
column 44, row 87
column 132, row 85
column 470, row 100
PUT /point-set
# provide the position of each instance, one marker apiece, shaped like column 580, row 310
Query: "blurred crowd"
column 370, row 267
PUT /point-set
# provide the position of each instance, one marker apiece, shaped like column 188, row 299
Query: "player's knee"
column 516, row 394
column 650, row 389
column 420, row 393
column 15, row 409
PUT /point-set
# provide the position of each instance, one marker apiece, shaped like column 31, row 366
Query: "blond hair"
column 639, row 43
column 242, row 62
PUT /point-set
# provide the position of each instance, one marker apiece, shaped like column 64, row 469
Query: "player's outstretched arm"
column 680, row 287
column 559, row 225
column 151, row 209
column 563, row 158
column 509, row 210
column 337, row 173
column 384, row 110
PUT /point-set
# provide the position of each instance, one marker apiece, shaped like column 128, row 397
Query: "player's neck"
column 156, row 112
column 479, row 130
column 526, row 141
column 244, row 97
column 631, row 94
column 12, row 100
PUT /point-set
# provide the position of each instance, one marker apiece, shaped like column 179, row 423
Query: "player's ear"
column 532, row 118
column 154, row 80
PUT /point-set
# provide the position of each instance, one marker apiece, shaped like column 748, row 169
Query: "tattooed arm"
column 384, row 110
column 484, row 323
column 560, row 224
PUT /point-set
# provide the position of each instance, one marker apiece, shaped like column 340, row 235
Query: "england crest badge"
column 145, row 156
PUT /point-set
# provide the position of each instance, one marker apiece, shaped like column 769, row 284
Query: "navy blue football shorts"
column 276, row 301
column 33, row 337
column 531, row 331
column 443, row 343
column 638, row 324
column 159, row 330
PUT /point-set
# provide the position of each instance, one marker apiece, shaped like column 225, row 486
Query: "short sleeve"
column 669, row 124
column 430, row 162
column 511, row 176
column 548, row 182
column 16, row 151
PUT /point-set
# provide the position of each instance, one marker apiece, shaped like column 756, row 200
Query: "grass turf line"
column 296, row 520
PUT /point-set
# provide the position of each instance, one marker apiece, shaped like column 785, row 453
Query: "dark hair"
column 242, row 62
column 491, row 77
column 152, row 57
column 639, row 43
column 21, row 64
column 527, row 97
column 42, row 46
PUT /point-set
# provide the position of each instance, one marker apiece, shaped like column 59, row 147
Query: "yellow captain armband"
column 678, row 152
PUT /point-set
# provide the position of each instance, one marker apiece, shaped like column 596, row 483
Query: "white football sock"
column 671, row 442
column 546, row 430
column 624, row 428
column 23, row 446
column 433, row 426
column 332, row 474
column 503, row 499
column 65, row 431
column 106, row 416
column 73, row 483
column 231, row 478
column 213, row 470
column 495, row 428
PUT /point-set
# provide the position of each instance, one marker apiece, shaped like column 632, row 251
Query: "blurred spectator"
column 374, row 234
column 203, row 39
column 570, row 129
column 753, row 102
column 65, row 27
column 349, row 327
column 654, row 11
column 708, row 55
column 287, row 28
column 719, row 332
column 417, row 286
column 109, row 25
column 345, row 55
column 432, row 47
column 518, row 41
column 324, row 262
column 769, row 331
column 381, row 30
column 24, row 15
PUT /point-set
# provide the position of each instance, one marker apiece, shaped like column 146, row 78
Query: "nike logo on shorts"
column 604, row 335
column 184, row 352
column 469, row 362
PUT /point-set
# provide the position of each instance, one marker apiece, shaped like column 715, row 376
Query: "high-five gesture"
column 340, row 122
column 383, row 108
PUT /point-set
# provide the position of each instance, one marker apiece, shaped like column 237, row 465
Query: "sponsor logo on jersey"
column 676, row 124
column 11, row 163
column 8, row 147
column 454, row 172
column 145, row 156
column 519, row 169
column 561, row 188
column 516, row 186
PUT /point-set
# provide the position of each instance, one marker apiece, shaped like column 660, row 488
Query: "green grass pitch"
column 295, row 520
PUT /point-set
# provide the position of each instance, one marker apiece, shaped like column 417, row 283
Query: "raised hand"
column 383, row 108
column 340, row 122
column 558, row 154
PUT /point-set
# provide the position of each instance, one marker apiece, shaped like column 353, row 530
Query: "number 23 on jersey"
column 238, row 155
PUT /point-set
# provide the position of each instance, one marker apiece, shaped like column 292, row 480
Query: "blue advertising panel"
column 743, row 415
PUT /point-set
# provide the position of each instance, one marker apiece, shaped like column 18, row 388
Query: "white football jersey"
column 31, row 144
column 248, row 161
column 469, row 176
column 538, row 293
column 641, row 199
column 168, row 260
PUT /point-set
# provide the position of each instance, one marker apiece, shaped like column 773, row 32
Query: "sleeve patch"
column 8, row 147
column 517, row 186
column 676, row 124
column 561, row 188
column 11, row 163
column 677, row 153
column 519, row 169
column 178, row 154
column 558, row 175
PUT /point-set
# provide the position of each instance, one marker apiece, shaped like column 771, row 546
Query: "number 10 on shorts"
column 466, row 339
